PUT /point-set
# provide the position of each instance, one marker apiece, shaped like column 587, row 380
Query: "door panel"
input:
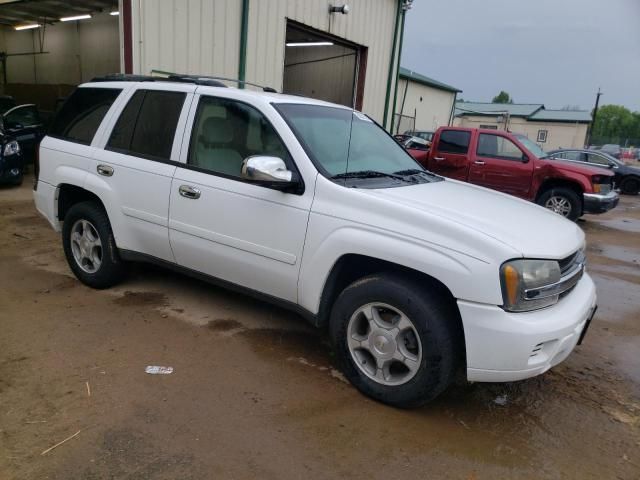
column 245, row 234
column 498, row 164
column 451, row 155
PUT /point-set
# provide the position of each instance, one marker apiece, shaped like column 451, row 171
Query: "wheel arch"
column 552, row 183
column 68, row 195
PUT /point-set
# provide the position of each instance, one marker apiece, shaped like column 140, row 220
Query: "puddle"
column 626, row 224
column 617, row 298
column 615, row 252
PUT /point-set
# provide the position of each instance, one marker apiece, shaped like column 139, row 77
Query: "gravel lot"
column 254, row 392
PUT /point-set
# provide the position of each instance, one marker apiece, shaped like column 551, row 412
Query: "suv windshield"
column 344, row 144
column 532, row 147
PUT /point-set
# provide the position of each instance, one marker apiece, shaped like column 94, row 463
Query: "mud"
column 255, row 394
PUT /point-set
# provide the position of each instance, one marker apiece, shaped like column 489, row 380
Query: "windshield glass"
column 532, row 147
column 346, row 144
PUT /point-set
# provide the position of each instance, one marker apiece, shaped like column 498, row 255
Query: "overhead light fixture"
column 26, row 27
column 343, row 9
column 75, row 17
column 308, row 44
column 114, row 13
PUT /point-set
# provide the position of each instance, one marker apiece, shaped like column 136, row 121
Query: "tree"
column 616, row 124
column 502, row 97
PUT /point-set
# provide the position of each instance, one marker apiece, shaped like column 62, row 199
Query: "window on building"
column 81, row 115
column 225, row 132
column 454, row 141
column 542, row 136
column 147, row 125
column 498, row 147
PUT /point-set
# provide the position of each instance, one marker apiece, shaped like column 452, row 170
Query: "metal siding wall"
column 203, row 36
column 187, row 36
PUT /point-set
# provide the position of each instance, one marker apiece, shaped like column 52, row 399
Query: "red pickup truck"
column 511, row 163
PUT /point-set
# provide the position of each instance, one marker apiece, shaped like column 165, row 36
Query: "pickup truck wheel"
column 90, row 247
column 562, row 201
column 630, row 186
column 395, row 342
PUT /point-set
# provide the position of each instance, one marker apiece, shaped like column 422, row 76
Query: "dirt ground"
column 254, row 392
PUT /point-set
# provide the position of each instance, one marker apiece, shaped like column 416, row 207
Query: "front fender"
column 466, row 277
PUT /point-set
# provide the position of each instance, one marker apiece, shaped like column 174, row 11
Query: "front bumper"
column 504, row 346
column 597, row 203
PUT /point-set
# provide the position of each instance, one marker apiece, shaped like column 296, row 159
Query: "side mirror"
column 269, row 171
column 612, row 165
column 525, row 158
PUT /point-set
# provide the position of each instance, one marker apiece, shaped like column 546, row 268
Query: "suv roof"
column 267, row 93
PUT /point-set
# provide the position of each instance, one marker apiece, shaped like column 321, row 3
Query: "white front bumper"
column 504, row 346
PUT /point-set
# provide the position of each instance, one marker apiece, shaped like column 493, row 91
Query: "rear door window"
column 81, row 115
column 147, row 125
column 454, row 141
column 597, row 159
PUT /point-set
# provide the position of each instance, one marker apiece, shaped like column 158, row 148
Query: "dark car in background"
column 626, row 178
column 6, row 103
column 11, row 160
column 612, row 149
column 24, row 124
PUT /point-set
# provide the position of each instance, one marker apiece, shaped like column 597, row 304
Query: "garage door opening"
column 323, row 66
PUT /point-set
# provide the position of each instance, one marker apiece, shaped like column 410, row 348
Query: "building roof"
column 573, row 116
column 514, row 109
column 429, row 82
column 530, row 111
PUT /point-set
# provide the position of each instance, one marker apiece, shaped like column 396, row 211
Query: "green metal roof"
column 573, row 116
column 531, row 111
column 514, row 109
column 429, row 82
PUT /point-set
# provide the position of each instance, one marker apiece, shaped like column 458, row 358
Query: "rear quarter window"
column 81, row 115
column 454, row 141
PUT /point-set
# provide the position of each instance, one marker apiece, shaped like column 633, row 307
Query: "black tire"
column 111, row 269
column 435, row 320
column 630, row 186
column 563, row 193
column 18, row 180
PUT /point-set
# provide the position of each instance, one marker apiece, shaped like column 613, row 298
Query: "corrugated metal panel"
column 187, row 36
column 203, row 36
column 370, row 23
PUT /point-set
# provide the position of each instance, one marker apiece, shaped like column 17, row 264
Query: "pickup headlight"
column 11, row 148
column 517, row 277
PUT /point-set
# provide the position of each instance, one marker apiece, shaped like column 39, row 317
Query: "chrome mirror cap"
column 263, row 168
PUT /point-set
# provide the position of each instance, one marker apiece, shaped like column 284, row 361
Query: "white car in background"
column 315, row 207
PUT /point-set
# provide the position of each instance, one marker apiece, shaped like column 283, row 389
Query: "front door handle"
column 479, row 162
column 187, row 191
column 105, row 170
column 438, row 159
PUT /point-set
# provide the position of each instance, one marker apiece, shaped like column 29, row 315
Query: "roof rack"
column 202, row 78
column 127, row 77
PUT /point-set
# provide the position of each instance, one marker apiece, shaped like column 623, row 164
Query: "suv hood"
column 532, row 230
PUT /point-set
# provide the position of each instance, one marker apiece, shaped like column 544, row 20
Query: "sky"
column 554, row 52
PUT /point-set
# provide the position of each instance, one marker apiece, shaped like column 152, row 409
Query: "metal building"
column 342, row 53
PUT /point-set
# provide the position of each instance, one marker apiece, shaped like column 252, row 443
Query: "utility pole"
column 593, row 118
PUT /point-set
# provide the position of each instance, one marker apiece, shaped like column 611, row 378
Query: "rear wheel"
column 396, row 342
column 90, row 247
column 630, row 185
column 562, row 201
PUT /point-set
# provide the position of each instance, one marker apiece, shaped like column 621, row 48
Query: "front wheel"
column 396, row 342
column 630, row 186
column 562, row 201
column 90, row 247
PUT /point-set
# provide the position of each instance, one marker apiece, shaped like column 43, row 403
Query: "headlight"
column 11, row 148
column 518, row 276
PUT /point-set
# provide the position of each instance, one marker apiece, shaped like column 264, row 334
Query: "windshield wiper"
column 415, row 171
column 370, row 174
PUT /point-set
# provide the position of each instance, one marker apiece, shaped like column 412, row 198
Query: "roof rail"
column 126, row 77
column 172, row 75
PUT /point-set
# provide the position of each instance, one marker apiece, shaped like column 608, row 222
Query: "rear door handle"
column 105, row 170
column 479, row 162
column 438, row 159
column 187, row 191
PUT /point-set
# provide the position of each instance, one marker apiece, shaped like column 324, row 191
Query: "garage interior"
column 324, row 67
column 45, row 52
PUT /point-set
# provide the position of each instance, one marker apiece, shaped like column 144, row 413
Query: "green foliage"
column 616, row 123
column 502, row 97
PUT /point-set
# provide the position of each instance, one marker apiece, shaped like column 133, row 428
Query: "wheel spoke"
column 373, row 317
column 404, row 323
column 76, row 237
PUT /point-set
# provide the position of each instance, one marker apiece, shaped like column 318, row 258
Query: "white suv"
column 315, row 207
